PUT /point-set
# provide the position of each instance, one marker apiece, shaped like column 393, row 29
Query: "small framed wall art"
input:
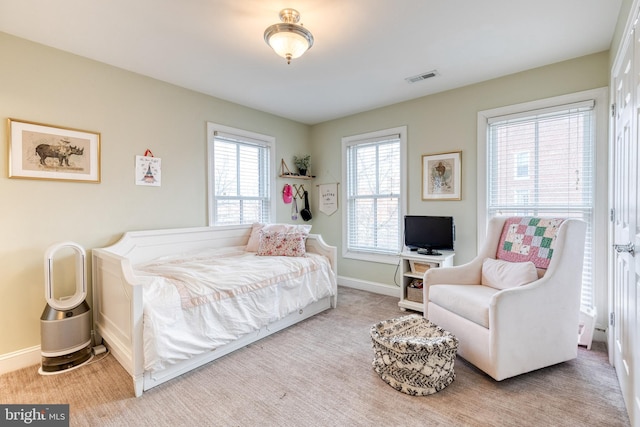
column 441, row 176
column 39, row 151
column 148, row 170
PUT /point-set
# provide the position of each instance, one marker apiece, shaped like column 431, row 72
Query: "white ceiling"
column 363, row 51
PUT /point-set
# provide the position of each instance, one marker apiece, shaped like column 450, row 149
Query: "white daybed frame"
column 117, row 295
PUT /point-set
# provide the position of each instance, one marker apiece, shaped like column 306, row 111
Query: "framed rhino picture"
column 39, row 151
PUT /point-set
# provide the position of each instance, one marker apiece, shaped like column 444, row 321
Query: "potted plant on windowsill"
column 302, row 163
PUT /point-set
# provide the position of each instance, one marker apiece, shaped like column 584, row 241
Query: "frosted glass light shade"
column 289, row 40
column 289, row 45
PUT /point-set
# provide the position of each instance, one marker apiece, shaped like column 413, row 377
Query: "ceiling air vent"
column 423, row 76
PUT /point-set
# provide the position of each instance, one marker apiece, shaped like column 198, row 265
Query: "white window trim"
column 600, row 218
column 348, row 140
column 270, row 141
column 601, row 108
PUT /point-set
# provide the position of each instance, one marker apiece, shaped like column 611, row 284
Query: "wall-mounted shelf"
column 286, row 173
column 296, row 176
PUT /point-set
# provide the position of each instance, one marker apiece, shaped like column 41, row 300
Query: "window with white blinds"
column 374, row 192
column 239, row 177
column 541, row 163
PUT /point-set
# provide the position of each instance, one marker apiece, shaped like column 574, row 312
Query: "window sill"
column 372, row 257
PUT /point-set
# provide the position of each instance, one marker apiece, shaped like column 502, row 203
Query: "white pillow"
column 500, row 274
column 254, row 238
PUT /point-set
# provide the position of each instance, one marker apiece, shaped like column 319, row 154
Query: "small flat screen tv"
column 428, row 234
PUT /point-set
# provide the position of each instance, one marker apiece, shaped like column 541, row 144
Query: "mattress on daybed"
column 196, row 302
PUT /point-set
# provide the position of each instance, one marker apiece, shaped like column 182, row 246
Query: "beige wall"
column 440, row 123
column 132, row 113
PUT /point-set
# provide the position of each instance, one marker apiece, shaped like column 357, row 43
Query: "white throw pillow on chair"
column 499, row 274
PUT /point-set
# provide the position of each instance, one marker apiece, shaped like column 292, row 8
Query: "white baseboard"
column 20, row 359
column 363, row 285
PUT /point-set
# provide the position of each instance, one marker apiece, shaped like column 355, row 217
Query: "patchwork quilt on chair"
column 528, row 239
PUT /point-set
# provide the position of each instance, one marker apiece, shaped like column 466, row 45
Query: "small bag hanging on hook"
column 287, row 194
column 306, row 212
column 294, row 209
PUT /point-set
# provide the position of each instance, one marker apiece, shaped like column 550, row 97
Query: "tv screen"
column 428, row 234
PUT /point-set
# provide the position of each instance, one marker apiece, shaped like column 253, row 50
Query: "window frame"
column 269, row 143
column 599, row 223
column 366, row 138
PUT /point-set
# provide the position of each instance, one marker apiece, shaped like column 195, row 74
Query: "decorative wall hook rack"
column 298, row 191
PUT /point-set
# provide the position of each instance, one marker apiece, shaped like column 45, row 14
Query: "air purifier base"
column 66, row 363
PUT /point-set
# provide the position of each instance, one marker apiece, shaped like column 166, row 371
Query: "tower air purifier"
column 65, row 324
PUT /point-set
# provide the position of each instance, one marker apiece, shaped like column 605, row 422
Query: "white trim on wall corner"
column 10, row 362
column 363, row 285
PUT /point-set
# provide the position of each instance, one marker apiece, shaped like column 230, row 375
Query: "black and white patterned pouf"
column 414, row 355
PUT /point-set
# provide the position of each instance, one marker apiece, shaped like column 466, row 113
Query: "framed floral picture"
column 441, row 176
column 39, row 151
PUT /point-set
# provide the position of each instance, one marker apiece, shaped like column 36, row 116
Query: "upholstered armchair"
column 515, row 307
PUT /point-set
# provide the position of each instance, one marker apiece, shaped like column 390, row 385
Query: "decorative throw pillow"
column 254, row 238
column 276, row 243
column 500, row 274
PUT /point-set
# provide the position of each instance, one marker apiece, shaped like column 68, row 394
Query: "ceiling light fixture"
column 288, row 39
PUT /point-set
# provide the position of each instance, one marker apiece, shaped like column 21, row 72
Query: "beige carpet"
column 318, row 373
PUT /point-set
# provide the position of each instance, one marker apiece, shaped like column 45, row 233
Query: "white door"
column 623, row 333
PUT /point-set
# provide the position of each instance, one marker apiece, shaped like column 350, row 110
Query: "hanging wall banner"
column 148, row 170
column 328, row 199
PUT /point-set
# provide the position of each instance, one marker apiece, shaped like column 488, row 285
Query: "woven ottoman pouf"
column 414, row 355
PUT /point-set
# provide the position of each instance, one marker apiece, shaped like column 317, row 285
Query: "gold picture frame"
column 442, row 176
column 41, row 151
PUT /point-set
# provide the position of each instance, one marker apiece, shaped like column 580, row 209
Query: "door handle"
column 629, row 247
